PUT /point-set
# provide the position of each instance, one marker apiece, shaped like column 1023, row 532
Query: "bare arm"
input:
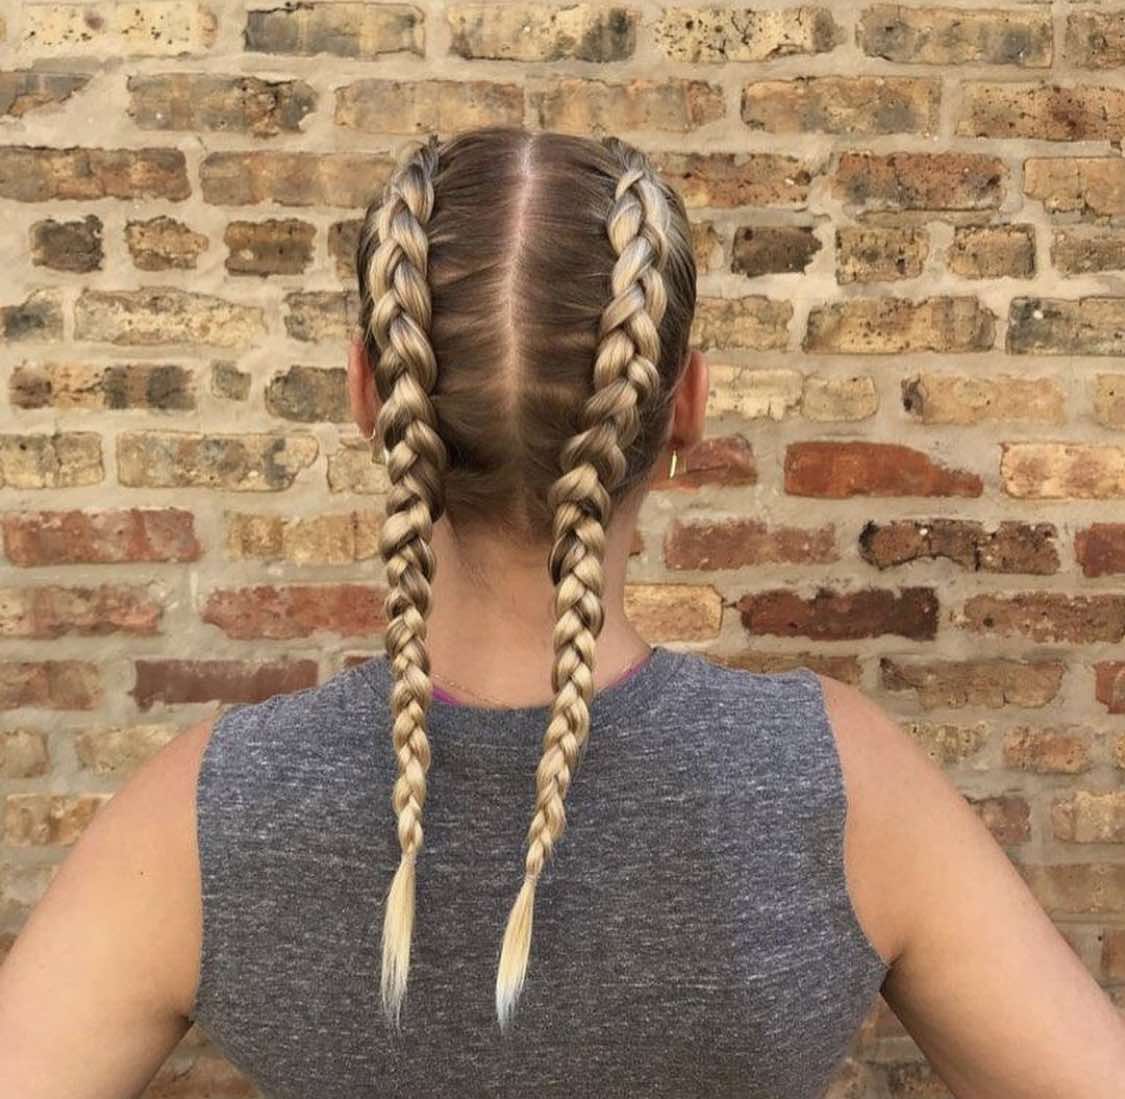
column 95, row 992
column 981, row 978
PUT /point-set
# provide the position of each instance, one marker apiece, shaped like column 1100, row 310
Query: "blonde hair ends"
column 631, row 372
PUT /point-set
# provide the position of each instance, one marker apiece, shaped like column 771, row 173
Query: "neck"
column 492, row 619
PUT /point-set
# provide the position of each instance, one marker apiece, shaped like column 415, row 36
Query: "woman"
column 693, row 917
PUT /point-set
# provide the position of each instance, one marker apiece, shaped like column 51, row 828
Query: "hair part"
column 526, row 301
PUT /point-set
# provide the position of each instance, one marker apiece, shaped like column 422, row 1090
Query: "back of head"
column 526, row 300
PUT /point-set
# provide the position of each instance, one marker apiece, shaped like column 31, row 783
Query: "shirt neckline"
column 629, row 696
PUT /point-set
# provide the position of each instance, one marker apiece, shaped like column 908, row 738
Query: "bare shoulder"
column 99, row 984
column 978, row 967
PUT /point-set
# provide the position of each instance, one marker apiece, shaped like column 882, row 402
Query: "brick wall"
column 910, row 227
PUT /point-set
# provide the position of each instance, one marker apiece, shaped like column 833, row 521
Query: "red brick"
column 1045, row 616
column 1047, row 751
column 184, row 681
column 1088, row 887
column 1013, row 547
column 735, row 543
column 840, row 469
column 51, row 610
column 1006, row 816
column 297, row 610
column 49, row 684
column 1109, row 685
column 1100, row 549
column 833, row 616
column 99, row 537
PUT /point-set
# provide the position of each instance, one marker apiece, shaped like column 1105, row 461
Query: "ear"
column 362, row 398
column 689, row 414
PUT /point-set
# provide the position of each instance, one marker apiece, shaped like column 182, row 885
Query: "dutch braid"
column 416, row 463
column 593, row 462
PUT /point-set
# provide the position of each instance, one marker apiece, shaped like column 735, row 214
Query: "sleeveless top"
column 693, row 932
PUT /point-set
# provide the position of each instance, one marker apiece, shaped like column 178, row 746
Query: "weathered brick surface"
column 164, row 244
column 348, row 29
column 908, row 224
column 418, row 106
column 238, row 104
column 954, row 35
column 99, row 537
column 29, row 174
column 292, row 178
column 26, row 90
column 163, row 315
column 859, row 105
column 277, row 246
column 542, row 32
column 74, row 246
column 102, row 385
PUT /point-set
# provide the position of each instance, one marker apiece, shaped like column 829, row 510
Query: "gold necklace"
column 504, row 705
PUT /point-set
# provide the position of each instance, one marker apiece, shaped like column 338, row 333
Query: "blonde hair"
column 553, row 279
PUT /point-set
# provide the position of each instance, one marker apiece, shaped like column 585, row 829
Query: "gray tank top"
column 693, row 933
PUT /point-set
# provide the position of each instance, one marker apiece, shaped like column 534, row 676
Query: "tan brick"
column 933, row 397
column 111, row 28
column 276, row 246
column 1089, row 816
column 48, row 820
column 860, row 106
column 753, row 321
column 52, row 610
column 189, row 681
column 773, row 249
column 37, row 317
column 735, row 543
column 1045, row 616
column 836, row 616
column 948, row 35
column 842, row 667
column 707, row 246
column 349, row 29
column 317, row 315
column 843, row 398
column 1109, row 400
column 992, row 683
column 1095, row 39
column 1058, row 470
column 22, row 886
column 680, row 612
column 754, row 393
column 596, row 106
column 351, row 469
column 1093, row 186
column 23, row 754
column 518, row 31
column 99, row 537
column 228, row 382
column 717, row 34
column 1040, row 112
column 49, row 684
column 164, row 244
column 1013, row 547
column 1100, row 549
column 993, row 251
column 736, row 179
column 168, row 388
column 293, row 178
column 29, row 174
column 163, row 315
column 1058, row 326
column 334, row 539
column 919, row 181
column 74, row 246
column 26, row 90
column 204, row 101
column 869, row 253
column 945, row 743
column 890, row 326
column 297, row 610
column 309, row 394
column 1046, row 751
column 835, row 470
column 118, row 751
column 1087, row 887
column 1081, row 250
column 238, row 463
column 61, row 460
column 421, row 106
